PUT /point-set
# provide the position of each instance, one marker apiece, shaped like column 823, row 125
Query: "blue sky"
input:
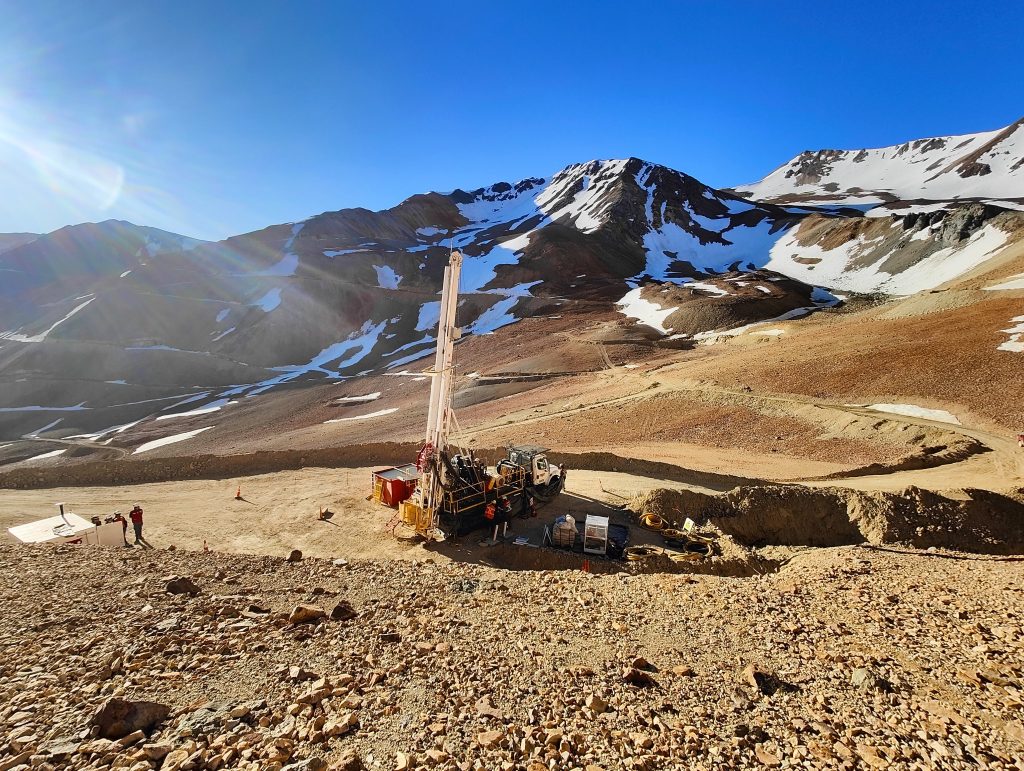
column 216, row 118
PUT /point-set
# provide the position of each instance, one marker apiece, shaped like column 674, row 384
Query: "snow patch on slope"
column 479, row 270
column 1014, row 282
column 912, row 410
column 290, row 262
column 339, row 355
column 37, row 408
column 429, row 316
column 386, row 277
column 410, row 358
column 709, row 288
column 832, row 269
column 369, row 415
column 497, row 316
column 270, row 300
column 332, row 253
column 212, row 407
column 112, row 430
column 147, row 446
column 42, row 336
column 51, row 454
column 356, row 399
column 645, row 311
column 1016, row 342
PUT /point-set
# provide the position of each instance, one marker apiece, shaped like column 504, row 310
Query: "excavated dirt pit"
column 971, row 520
column 728, row 558
column 738, row 566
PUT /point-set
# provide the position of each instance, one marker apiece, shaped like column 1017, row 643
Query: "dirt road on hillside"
column 996, row 463
column 1001, row 466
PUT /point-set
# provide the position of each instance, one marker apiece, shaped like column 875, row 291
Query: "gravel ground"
column 852, row 657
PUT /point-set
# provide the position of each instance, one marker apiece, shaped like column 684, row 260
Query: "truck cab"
column 543, row 476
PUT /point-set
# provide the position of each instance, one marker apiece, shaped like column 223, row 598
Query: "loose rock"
column 306, row 614
column 116, row 718
column 181, row 585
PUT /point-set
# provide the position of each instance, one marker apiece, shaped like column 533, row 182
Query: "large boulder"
column 182, row 585
column 349, row 761
column 343, row 611
column 116, row 718
column 306, row 614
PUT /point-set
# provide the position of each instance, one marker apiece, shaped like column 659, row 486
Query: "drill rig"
column 456, row 492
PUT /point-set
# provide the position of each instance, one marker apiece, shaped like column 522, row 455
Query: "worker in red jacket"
column 136, row 517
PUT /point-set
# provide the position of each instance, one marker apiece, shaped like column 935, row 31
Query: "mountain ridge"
column 10, row 241
column 351, row 292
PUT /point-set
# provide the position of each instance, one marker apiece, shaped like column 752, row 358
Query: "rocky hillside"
column 171, row 660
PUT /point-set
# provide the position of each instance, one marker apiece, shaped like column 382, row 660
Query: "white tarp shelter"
column 69, row 528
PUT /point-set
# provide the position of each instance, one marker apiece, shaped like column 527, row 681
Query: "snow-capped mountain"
column 988, row 165
column 645, row 222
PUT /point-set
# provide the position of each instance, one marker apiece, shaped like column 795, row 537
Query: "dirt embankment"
column 977, row 521
column 125, row 472
column 931, row 456
column 131, row 472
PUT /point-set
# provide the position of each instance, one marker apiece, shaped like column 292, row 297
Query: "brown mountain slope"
column 948, row 357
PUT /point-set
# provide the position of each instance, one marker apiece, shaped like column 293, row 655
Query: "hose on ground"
column 651, row 521
column 700, row 548
column 694, row 545
column 639, row 553
column 684, row 556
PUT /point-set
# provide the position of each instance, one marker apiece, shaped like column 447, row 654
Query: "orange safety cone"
column 238, row 494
